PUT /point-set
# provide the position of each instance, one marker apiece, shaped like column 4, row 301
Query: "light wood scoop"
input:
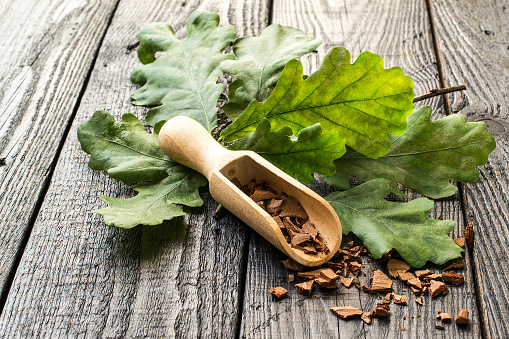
column 185, row 141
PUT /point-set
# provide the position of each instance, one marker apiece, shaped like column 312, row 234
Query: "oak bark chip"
column 278, row 292
column 462, row 318
column 185, row 141
column 380, row 282
column 394, row 267
column 436, row 288
column 346, row 311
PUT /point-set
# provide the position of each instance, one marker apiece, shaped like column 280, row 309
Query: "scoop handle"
column 187, row 142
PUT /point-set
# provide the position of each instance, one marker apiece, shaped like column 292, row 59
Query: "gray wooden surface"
column 48, row 49
column 65, row 274
column 475, row 47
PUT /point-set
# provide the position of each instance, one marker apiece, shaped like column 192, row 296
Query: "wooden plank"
column 47, row 50
column 80, row 278
column 399, row 32
column 474, row 36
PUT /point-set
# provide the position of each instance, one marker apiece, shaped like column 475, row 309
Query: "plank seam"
column 51, row 169
column 242, row 283
column 478, row 287
column 438, row 57
column 270, row 12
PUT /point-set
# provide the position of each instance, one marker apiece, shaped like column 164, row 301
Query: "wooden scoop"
column 184, row 140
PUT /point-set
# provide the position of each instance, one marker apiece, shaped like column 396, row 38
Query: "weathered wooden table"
column 65, row 274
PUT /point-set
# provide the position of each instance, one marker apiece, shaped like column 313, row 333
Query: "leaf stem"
column 439, row 91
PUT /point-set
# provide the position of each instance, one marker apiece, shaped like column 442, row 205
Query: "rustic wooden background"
column 63, row 273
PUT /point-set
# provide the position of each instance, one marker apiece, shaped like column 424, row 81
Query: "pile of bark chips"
column 346, row 266
column 290, row 216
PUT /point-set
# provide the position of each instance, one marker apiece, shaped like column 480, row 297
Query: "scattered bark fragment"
column 328, row 274
column 460, row 242
column 462, row 318
column 439, row 327
column 415, row 283
column 381, row 311
column 445, row 317
column 291, row 277
column 453, row 278
column 325, row 283
column 306, row 287
column 423, row 273
column 437, row 288
column 395, row 265
column 310, row 274
column 346, row 311
column 399, row 299
column 456, row 265
column 334, row 266
column 405, row 276
column 380, row 282
column 292, row 265
column 347, row 281
column 355, row 268
column 387, row 299
column 278, row 292
column 434, row 276
column 469, row 236
column 366, row 317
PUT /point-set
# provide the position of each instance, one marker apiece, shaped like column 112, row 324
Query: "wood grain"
column 47, row 51
column 399, row 32
column 474, row 36
column 80, row 278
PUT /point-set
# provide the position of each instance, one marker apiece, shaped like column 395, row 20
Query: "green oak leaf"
column 260, row 60
column 313, row 151
column 155, row 202
column 362, row 101
column 425, row 157
column 383, row 225
column 182, row 81
column 124, row 149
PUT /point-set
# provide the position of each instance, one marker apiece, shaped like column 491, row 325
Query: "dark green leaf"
column 362, row 101
column 156, row 202
column 383, row 225
column 313, row 151
column 123, row 149
column 182, row 81
column 425, row 157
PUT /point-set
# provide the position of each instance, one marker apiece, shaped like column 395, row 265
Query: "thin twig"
column 438, row 55
column 439, row 91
